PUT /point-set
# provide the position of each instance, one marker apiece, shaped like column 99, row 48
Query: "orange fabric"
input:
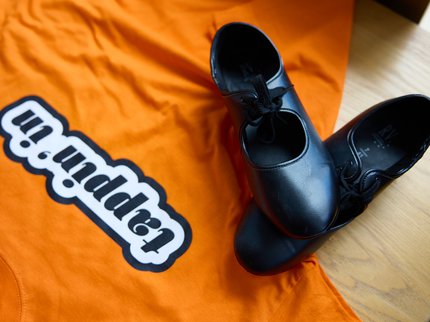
column 133, row 77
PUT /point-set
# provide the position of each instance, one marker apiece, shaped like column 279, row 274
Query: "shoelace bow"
column 354, row 192
column 264, row 107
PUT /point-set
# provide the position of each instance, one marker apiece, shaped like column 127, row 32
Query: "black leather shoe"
column 289, row 170
column 378, row 146
column 372, row 150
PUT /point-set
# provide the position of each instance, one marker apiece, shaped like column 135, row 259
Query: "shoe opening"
column 242, row 53
column 391, row 138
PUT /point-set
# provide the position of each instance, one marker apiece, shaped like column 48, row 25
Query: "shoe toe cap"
column 308, row 212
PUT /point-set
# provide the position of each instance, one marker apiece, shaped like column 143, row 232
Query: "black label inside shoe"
column 248, row 71
column 363, row 152
column 383, row 138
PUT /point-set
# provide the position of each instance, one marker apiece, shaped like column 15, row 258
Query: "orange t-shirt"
column 121, row 180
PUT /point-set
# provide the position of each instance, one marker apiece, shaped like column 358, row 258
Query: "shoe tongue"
column 261, row 89
column 265, row 131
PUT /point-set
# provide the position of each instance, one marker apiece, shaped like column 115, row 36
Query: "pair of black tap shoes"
column 369, row 152
column 304, row 189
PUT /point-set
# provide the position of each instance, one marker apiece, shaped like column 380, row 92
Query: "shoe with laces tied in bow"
column 372, row 150
column 289, row 170
column 378, row 146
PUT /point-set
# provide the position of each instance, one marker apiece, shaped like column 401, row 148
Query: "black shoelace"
column 265, row 107
column 355, row 192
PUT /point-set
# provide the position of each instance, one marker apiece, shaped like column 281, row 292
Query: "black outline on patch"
column 87, row 211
